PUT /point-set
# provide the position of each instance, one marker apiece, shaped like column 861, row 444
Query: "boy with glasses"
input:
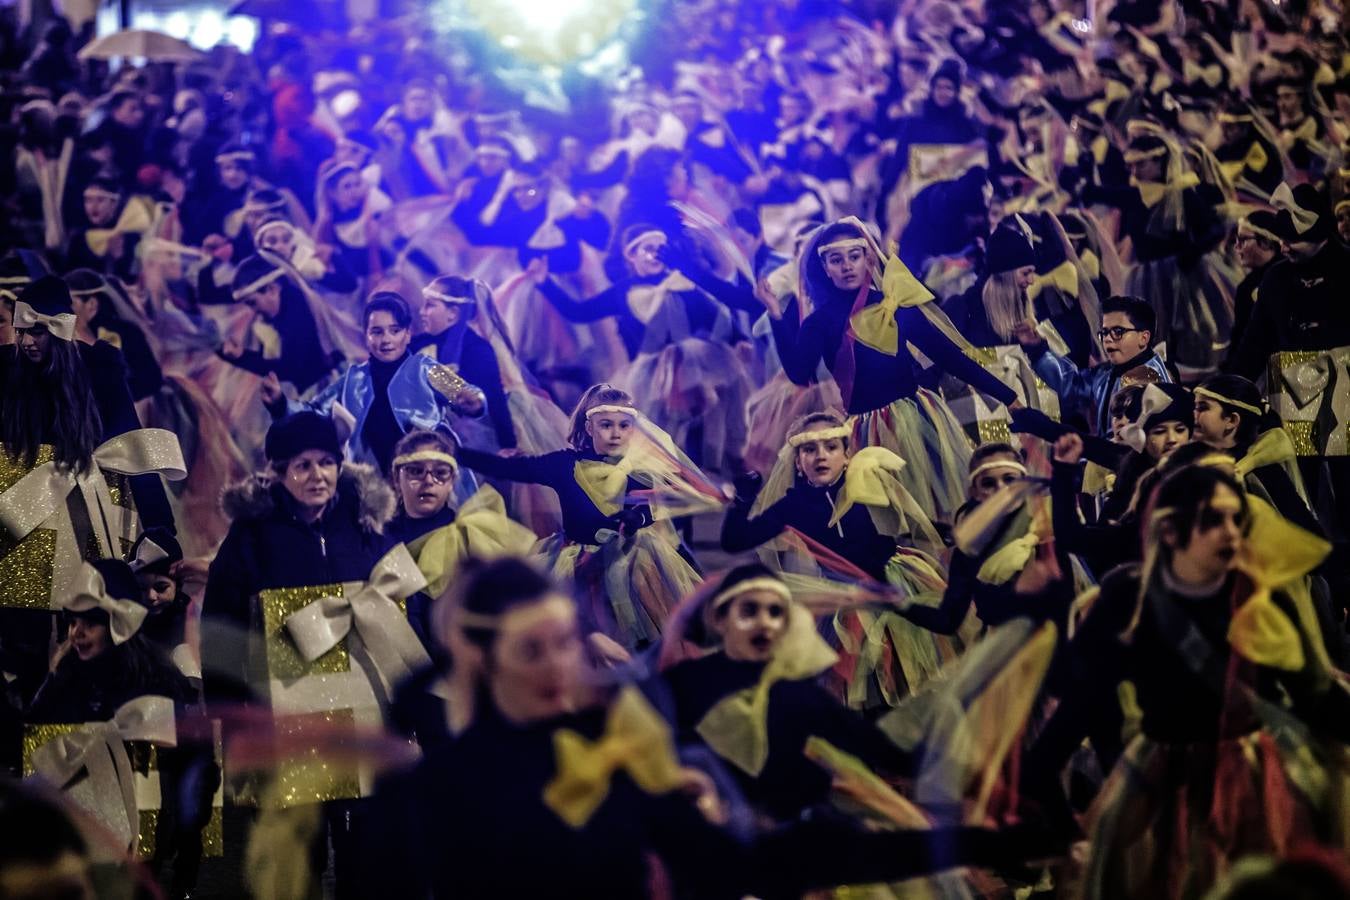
column 1126, row 338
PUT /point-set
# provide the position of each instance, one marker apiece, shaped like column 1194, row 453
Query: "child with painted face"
column 759, row 635
column 1215, row 634
column 605, row 530
column 834, row 505
column 536, row 723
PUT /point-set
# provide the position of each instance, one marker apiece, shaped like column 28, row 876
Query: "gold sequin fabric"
column 284, row 662
column 322, row 771
column 26, row 566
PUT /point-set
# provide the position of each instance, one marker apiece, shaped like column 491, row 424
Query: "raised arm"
column 915, row 328
column 609, row 302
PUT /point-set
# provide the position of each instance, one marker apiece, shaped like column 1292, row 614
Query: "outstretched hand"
column 1069, row 448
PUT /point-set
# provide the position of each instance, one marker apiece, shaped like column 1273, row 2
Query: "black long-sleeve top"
column 1205, row 227
column 302, row 361
column 879, row 379
column 1180, row 705
column 581, row 517
column 144, row 376
column 1300, row 306
column 798, row 710
column 701, row 306
column 477, row 364
column 809, row 509
column 469, row 822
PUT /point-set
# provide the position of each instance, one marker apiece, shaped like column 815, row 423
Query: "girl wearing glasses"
column 629, row 568
column 860, row 324
column 438, row 535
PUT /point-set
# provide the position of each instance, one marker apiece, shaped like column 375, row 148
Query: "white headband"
column 60, row 326
column 611, row 408
column 653, row 235
column 845, row 244
column 429, row 294
column 996, row 464
column 822, row 434
column 763, row 583
column 426, row 456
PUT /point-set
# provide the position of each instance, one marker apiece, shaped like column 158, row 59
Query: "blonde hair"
column 1005, row 304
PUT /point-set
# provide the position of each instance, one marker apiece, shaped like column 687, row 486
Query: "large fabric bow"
column 646, row 300
column 389, row 641
column 1063, row 276
column 737, row 728
column 1277, row 555
column 481, row 529
column 36, row 497
column 872, row 479
column 875, row 325
column 1135, row 435
column 60, row 326
column 90, row 592
column 109, row 793
column 636, row 741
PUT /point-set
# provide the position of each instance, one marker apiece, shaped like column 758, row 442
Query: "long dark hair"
column 817, row 284
column 53, row 400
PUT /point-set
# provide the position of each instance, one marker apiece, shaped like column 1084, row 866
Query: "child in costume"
column 1240, row 719
column 534, row 736
column 849, row 507
column 866, row 308
column 675, row 317
column 438, row 535
column 617, row 484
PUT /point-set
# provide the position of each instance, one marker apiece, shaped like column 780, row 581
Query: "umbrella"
column 150, row 45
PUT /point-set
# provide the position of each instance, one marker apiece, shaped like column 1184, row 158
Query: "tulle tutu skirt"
column 626, row 589
column 1194, row 305
column 923, row 432
column 966, row 720
column 695, row 390
column 773, row 408
column 1172, row 818
column 883, row 657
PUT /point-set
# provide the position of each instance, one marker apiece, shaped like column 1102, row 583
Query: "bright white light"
column 242, row 31
column 178, row 24
column 547, row 15
column 210, row 28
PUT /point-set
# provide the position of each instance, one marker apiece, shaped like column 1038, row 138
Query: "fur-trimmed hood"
column 360, row 485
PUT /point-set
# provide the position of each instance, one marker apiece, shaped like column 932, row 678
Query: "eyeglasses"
column 1115, row 333
column 437, row 474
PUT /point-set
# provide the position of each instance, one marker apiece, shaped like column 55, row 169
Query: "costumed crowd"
column 852, row 449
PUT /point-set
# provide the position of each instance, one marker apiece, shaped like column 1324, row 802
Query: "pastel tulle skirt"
column 1173, row 818
column 626, row 588
column 923, row 432
column 696, row 390
column 773, row 408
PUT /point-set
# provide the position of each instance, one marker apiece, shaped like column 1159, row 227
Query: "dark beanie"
column 118, row 579
column 47, row 295
column 950, row 69
column 1008, row 249
column 298, row 432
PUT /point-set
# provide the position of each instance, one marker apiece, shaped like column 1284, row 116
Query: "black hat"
column 47, row 295
column 1180, row 409
column 119, row 581
column 155, row 551
column 950, row 69
column 1008, row 249
column 1303, row 214
column 298, row 432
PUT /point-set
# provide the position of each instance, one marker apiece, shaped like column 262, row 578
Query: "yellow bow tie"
column 1153, row 191
column 636, row 741
column 1277, row 555
column 1063, row 276
column 646, row 300
column 875, row 325
column 604, row 482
